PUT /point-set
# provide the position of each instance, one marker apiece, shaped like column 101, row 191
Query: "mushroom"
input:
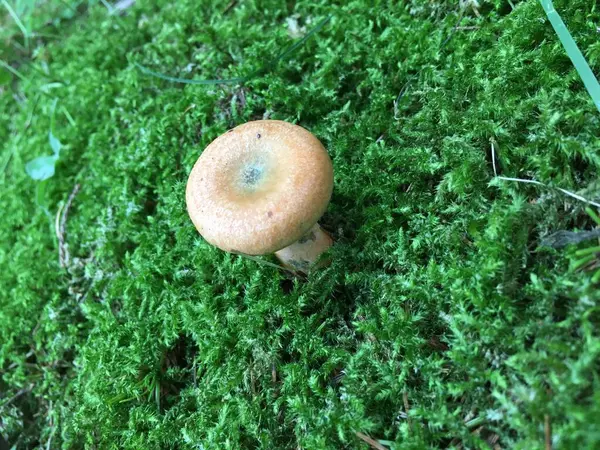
column 260, row 188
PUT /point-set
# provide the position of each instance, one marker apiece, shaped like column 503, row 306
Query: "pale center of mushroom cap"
column 252, row 175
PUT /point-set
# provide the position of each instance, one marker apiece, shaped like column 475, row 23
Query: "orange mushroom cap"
column 259, row 187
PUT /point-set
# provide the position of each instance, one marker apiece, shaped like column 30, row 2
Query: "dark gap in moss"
column 30, row 408
column 529, row 341
column 505, row 8
column 247, row 440
column 293, row 76
column 560, row 308
column 502, row 8
column 579, row 165
column 65, row 365
column 287, row 286
column 562, row 65
column 288, row 357
column 187, row 280
column 123, row 248
column 31, row 358
column 116, row 307
column 179, row 361
column 535, row 39
column 348, row 89
column 150, row 203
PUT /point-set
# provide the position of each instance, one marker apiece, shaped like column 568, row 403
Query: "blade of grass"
column 111, row 12
column 577, row 58
column 64, row 3
column 593, row 215
column 15, row 17
column 370, row 441
column 587, row 251
column 240, row 80
column 292, row 48
column 68, row 116
column 188, row 81
column 583, row 261
column 12, row 70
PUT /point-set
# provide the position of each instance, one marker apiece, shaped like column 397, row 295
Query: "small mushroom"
column 260, row 188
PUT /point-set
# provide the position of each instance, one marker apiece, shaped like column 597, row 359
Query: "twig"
column 338, row 378
column 242, row 98
column 229, row 7
column 49, row 443
column 521, row 180
column 252, row 382
column 266, row 263
column 548, row 432
column 407, row 408
column 60, row 227
column 400, row 95
column 195, row 374
column 564, row 191
column 122, row 5
column 493, row 439
column 16, row 396
column 192, row 106
column 460, row 18
column 372, row 442
column 493, row 157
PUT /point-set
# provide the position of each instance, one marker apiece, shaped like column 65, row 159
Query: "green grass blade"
column 12, row 70
column 593, row 215
column 577, row 58
column 15, row 17
column 587, row 251
column 268, row 66
column 292, row 48
column 583, row 261
column 188, row 81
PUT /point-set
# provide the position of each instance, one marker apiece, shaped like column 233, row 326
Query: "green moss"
column 439, row 299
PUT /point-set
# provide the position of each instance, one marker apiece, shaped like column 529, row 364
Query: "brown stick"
column 17, row 395
column 231, row 5
column 548, row 432
column 372, row 442
column 61, row 228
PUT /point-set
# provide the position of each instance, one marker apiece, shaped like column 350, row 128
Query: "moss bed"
column 443, row 321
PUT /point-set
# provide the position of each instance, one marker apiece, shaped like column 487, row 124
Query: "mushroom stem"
column 304, row 253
